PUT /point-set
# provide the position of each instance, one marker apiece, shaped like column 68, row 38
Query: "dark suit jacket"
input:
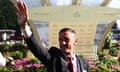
column 53, row 58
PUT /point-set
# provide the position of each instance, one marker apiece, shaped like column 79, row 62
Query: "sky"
column 112, row 3
column 35, row 3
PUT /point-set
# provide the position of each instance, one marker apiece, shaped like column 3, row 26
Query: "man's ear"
column 76, row 41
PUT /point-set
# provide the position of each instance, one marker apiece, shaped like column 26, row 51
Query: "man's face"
column 67, row 40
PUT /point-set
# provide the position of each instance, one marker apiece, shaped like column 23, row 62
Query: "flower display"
column 25, row 64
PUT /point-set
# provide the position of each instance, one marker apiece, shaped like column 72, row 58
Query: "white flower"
column 2, row 60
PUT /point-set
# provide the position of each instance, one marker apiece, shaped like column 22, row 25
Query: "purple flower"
column 26, row 64
column 21, row 62
column 38, row 65
column 17, row 66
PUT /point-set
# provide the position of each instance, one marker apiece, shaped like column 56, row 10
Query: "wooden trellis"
column 104, row 36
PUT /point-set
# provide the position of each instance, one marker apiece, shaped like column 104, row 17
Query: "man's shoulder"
column 55, row 51
column 52, row 49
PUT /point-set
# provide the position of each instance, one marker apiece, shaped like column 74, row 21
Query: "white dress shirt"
column 74, row 62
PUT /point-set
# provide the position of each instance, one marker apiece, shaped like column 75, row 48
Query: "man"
column 55, row 59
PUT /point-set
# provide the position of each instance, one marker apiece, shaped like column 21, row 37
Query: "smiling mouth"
column 65, row 46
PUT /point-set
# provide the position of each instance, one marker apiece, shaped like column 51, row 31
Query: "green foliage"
column 4, row 47
column 104, row 65
column 22, row 70
column 113, row 51
column 101, row 54
column 81, row 55
column 107, row 40
column 35, row 60
column 101, row 70
column 16, row 50
column 112, row 48
column 5, row 69
column 35, row 70
column 112, row 62
column 18, row 46
column 14, row 47
column 8, row 16
column 17, row 54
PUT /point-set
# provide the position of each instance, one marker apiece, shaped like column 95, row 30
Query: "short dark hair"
column 67, row 29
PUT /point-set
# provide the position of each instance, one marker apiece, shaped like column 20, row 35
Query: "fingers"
column 16, row 8
column 22, row 12
column 26, row 10
column 25, row 6
column 21, row 7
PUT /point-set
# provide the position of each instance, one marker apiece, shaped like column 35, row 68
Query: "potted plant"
column 113, row 51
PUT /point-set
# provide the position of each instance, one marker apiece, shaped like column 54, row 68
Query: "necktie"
column 70, row 65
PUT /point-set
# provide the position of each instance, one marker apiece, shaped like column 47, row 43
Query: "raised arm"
column 23, row 16
column 22, row 12
column 36, row 47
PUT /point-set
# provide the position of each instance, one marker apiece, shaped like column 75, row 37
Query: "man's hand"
column 22, row 12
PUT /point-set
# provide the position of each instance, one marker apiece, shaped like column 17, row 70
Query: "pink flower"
column 118, row 47
column 91, row 61
column 114, row 67
column 93, row 66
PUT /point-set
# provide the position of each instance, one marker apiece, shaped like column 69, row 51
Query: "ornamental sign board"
column 83, row 19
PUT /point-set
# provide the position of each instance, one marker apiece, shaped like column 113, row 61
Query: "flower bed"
column 34, row 65
column 105, row 64
column 24, row 65
column 17, row 62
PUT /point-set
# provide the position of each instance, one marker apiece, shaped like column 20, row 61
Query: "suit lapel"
column 64, row 64
column 81, row 64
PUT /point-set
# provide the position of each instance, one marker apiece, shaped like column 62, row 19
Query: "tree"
column 8, row 16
